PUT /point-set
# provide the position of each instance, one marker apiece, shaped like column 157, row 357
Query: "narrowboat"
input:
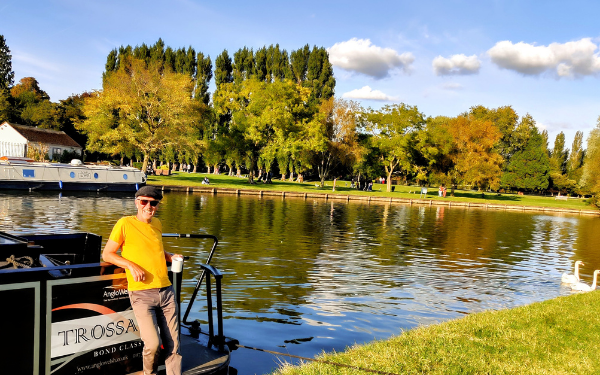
column 64, row 312
column 23, row 173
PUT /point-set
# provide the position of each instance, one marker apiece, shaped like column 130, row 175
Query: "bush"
column 67, row 156
column 137, row 165
column 164, row 166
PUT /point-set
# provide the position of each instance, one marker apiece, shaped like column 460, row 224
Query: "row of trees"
column 274, row 111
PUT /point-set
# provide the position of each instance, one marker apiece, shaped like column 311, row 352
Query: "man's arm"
column 109, row 254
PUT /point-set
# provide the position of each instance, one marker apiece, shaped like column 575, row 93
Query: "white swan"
column 581, row 287
column 572, row 279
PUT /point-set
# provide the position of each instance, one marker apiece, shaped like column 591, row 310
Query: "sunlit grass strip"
column 343, row 188
column 405, row 192
column 559, row 336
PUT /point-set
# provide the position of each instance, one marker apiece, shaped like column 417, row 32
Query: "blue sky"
column 540, row 57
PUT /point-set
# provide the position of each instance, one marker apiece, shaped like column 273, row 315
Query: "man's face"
column 145, row 207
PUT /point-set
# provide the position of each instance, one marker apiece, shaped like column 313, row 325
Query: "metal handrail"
column 220, row 338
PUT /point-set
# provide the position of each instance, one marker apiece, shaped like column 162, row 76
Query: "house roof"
column 46, row 136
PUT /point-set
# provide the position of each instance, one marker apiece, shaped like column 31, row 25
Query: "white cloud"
column 359, row 55
column 367, row 93
column 456, row 65
column 452, row 86
column 571, row 59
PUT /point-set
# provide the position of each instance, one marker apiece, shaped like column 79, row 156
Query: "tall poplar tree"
column 299, row 63
column 223, row 69
column 575, row 161
column 590, row 179
column 204, row 73
column 319, row 76
column 7, row 75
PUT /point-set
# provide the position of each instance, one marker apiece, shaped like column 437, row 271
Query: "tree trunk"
column 283, row 177
column 145, row 163
column 239, row 172
column 292, row 176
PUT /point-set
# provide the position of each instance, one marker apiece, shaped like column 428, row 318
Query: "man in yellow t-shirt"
column 145, row 261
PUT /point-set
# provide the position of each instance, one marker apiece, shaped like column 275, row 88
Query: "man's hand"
column 137, row 272
column 110, row 255
column 169, row 257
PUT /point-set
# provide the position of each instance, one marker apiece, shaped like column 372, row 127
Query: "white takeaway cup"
column 176, row 263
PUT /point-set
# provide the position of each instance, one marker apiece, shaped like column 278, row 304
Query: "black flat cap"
column 149, row 191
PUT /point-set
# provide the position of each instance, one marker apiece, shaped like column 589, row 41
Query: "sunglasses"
column 144, row 202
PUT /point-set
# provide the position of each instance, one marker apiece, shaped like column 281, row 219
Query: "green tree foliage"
column 243, row 66
column 269, row 119
column 223, row 69
column 575, row 162
column 394, row 128
column 299, row 63
column 529, row 167
column 203, row 76
column 32, row 105
column 278, row 67
column 319, row 76
column 433, row 162
column 590, row 178
column 7, row 75
column 340, row 125
column 559, row 156
column 558, row 166
column 260, row 64
column 6, row 106
column 70, row 113
column 144, row 108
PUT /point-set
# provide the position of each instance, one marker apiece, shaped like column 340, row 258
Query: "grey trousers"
column 156, row 313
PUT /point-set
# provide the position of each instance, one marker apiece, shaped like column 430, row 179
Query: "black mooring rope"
column 318, row 360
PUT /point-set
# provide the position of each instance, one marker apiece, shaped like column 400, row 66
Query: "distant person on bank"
column 145, row 261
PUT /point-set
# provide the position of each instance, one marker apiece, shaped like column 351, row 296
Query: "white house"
column 15, row 140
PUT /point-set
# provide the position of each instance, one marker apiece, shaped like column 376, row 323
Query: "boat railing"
column 194, row 326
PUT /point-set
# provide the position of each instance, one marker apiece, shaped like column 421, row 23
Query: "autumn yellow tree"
column 144, row 107
column 475, row 160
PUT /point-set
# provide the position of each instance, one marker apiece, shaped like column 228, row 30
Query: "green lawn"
column 559, row 336
column 343, row 188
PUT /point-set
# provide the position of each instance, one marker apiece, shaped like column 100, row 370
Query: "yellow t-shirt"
column 142, row 244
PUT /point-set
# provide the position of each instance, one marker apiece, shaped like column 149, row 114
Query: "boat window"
column 28, row 172
column 125, row 176
column 96, row 176
column 72, row 174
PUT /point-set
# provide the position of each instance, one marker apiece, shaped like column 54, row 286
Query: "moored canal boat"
column 23, row 173
column 64, row 312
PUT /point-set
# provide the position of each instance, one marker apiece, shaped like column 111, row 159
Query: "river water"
column 339, row 273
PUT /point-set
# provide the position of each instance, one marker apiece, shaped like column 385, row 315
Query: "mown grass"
column 343, row 188
column 559, row 336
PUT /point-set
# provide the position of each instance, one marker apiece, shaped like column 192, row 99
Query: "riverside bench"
column 561, row 197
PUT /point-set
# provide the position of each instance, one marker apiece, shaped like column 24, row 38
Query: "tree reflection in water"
column 340, row 272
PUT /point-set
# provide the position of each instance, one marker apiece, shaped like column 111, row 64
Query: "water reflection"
column 341, row 272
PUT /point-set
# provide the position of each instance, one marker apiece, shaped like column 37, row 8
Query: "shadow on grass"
column 488, row 197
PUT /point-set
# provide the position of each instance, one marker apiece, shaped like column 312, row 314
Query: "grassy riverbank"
column 343, row 188
column 559, row 336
